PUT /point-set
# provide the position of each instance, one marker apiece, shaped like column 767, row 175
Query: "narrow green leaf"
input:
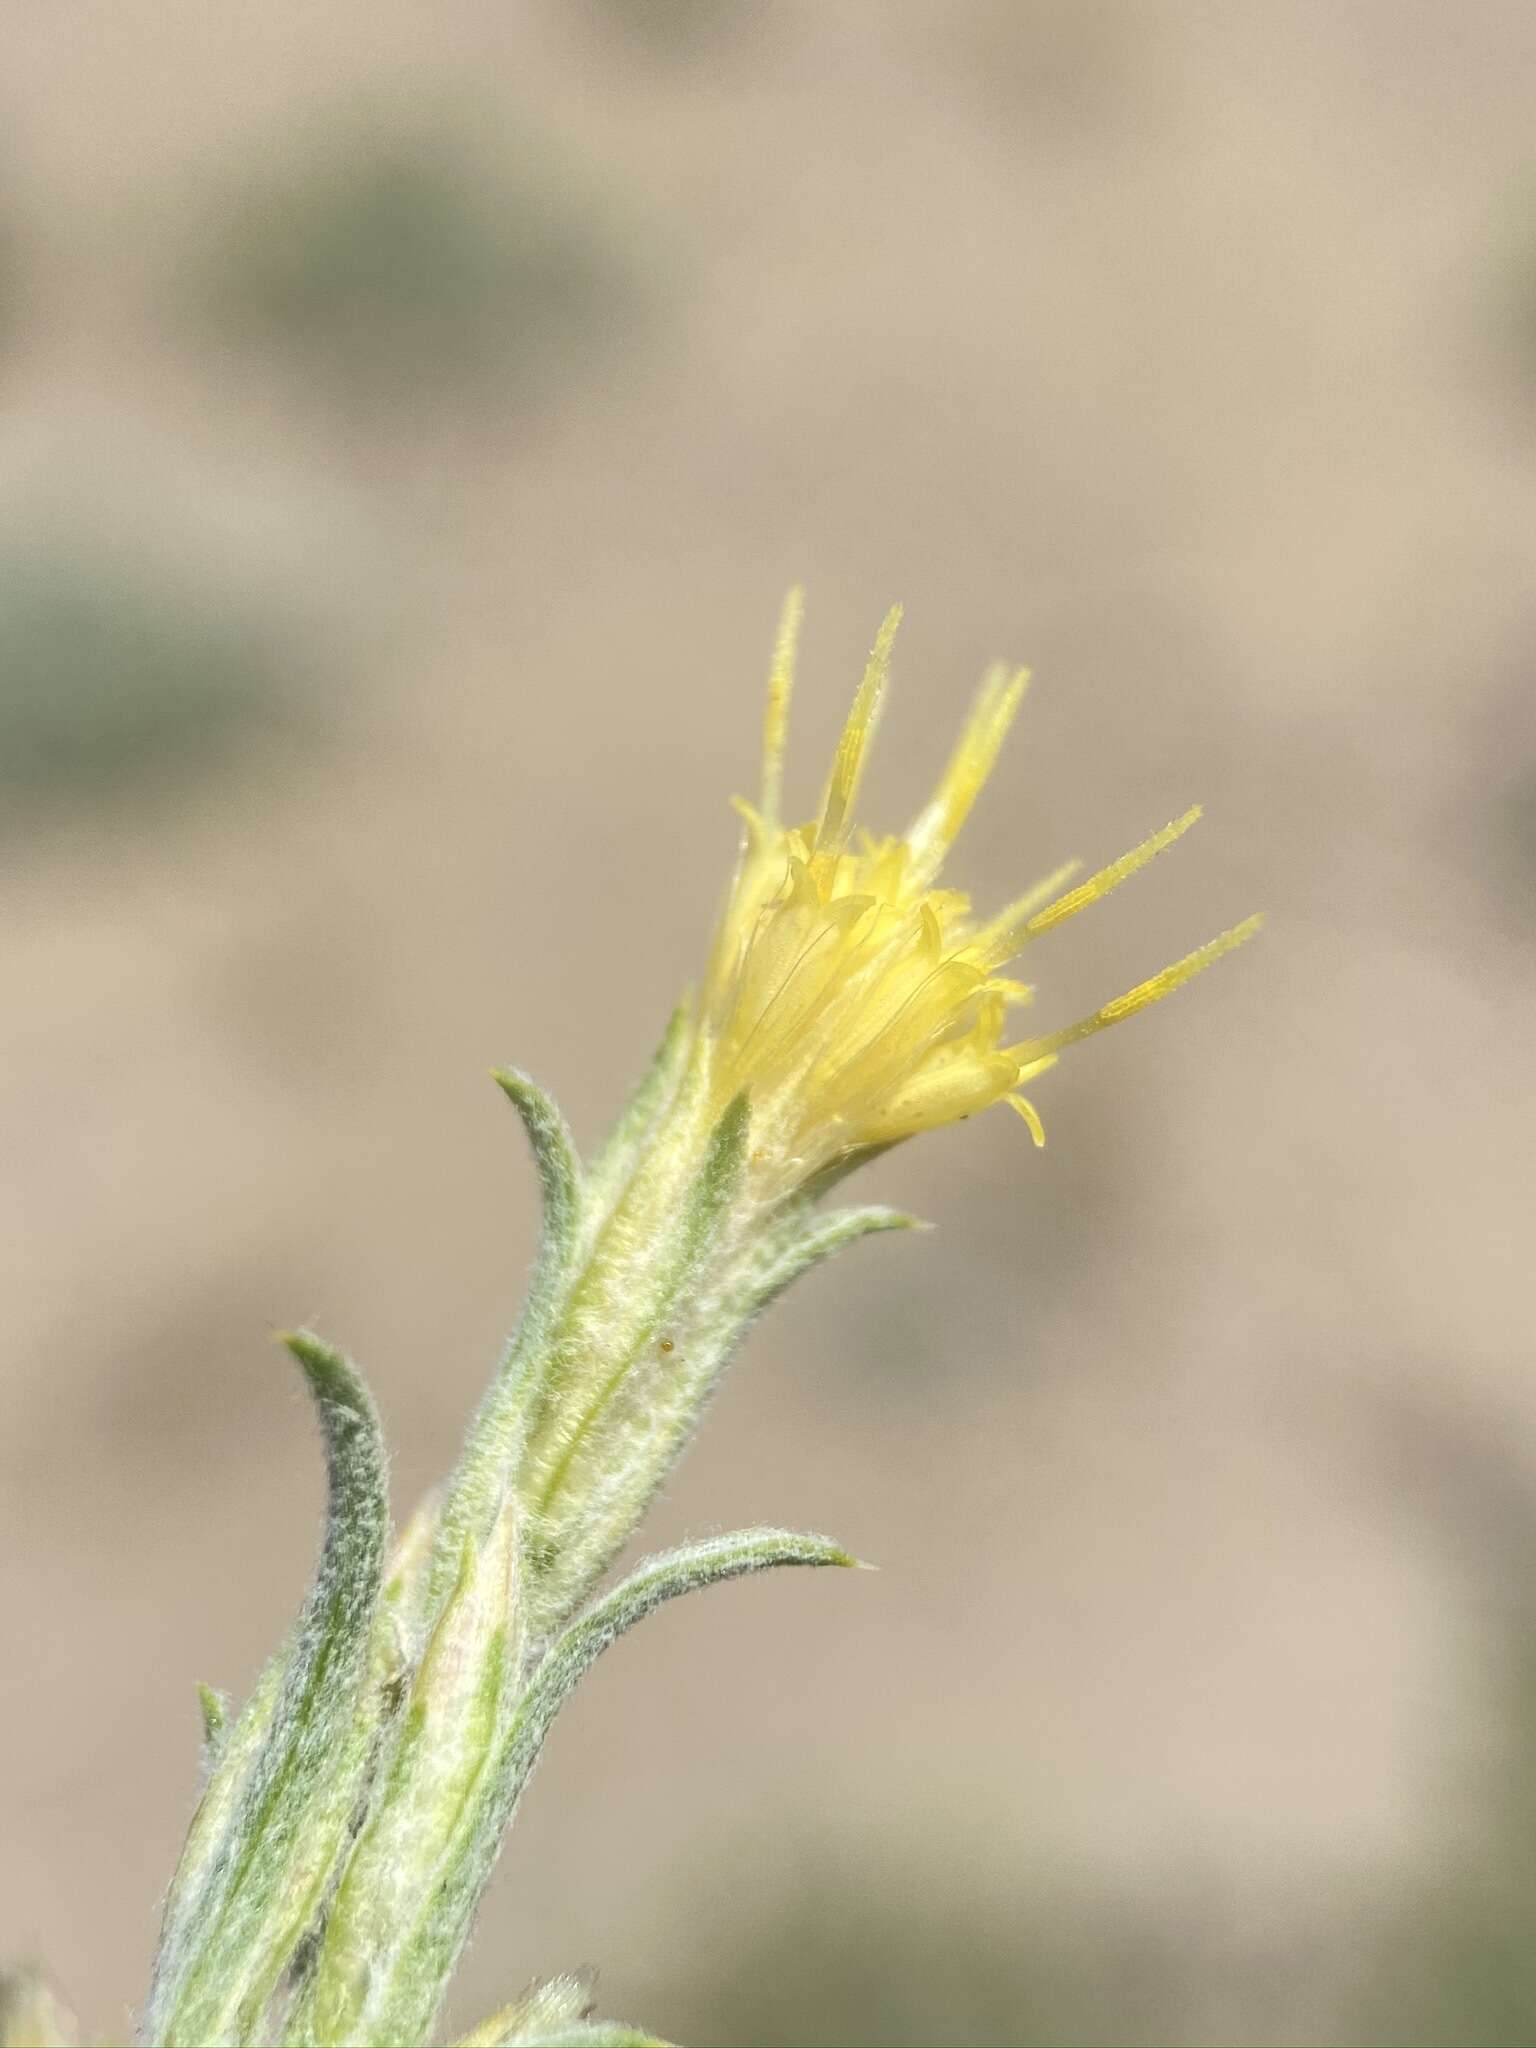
column 586, row 1477
column 595, row 1465
column 397, row 1649
column 496, row 1435
column 403, row 1600
column 667, row 1391
column 425, row 1952
column 652, row 1583
column 209, row 1833
column 413, row 1546
column 807, row 1243
column 554, row 1151
column 285, row 1824
column 610, row 1171
column 448, row 1735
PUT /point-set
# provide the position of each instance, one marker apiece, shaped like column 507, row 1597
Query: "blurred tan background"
column 409, row 421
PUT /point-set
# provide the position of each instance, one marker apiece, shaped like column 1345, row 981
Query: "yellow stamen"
column 1142, row 996
column 853, row 1000
column 998, row 939
column 781, row 683
column 938, row 825
column 853, row 747
column 1031, row 1116
column 1109, row 878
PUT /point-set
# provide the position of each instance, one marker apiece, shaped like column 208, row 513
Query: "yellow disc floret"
column 854, row 1001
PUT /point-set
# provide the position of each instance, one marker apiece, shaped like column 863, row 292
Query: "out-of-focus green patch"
column 1520, row 297
column 1446, row 1952
column 10, row 282
column 1491, row 818
column 1505, row 301
column 397, row 263
column 678, row 29
column 922, row 1935
column 32, row 2015
column 1517, row 814
column 116, row 681
column 1455, row 1962
column 1054, row 65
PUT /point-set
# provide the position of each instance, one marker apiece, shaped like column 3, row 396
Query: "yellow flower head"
column 852, row 999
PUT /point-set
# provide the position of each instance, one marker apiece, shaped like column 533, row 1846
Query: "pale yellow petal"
column 854, row 1000
column 940, row 1092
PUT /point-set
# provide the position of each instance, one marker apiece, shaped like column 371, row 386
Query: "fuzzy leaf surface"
column 447, row 1737
column 495, row 1437
column 805, row 1243
column 227, row 1778
column 284, row 1821
column 424, row 1955
column 589, row 1474
column 615, row 1164
column 213, row 1707
column 654, row 1404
